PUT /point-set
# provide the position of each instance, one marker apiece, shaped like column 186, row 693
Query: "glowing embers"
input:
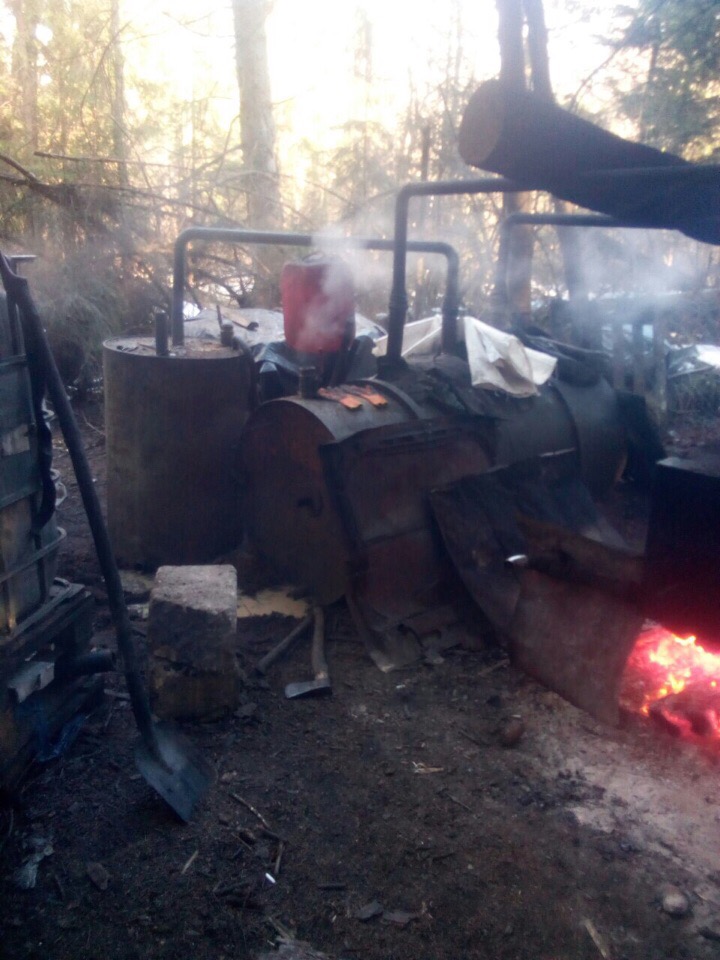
column 675, row 682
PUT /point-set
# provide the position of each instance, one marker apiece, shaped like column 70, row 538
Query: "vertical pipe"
column 659, row 365
column 178, row 291
column 451, row 304
column 398, row 305
column 638, row 355
column 161, row 334
column 618, row 352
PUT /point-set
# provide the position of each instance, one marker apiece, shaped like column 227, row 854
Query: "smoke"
column 426, row 273
column 642, row 262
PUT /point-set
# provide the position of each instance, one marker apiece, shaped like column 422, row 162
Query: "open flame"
column 676, row 682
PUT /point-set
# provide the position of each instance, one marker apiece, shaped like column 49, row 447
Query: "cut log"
column 544, row 147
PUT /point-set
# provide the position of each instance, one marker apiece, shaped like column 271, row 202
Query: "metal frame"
column 451, row 301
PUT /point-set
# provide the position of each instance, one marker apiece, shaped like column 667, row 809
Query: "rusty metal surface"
column 290, row 516
column 476, row 520
column 337, row 497
column 381, row 480
column 173, row 427
column 571, row 628
column 575, row 640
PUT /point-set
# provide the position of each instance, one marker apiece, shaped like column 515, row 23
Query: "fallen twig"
column 58, row 884
column 493, row 668
column 117, row 694
column 256, row 813
column 281, row 929
column 278, row 858
column 472, row 739
column 92, row 425
column 597, row 939
column 444, row 793
column 189, row 862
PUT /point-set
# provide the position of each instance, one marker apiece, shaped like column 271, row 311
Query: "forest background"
column 122, row 123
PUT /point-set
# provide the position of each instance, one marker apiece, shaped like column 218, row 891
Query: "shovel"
column 170, row 765
column 321, row 684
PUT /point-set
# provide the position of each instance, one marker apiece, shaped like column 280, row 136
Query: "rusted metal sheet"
column 574, row 639
column 290, row 514
column 381, row 480
column 569, row 610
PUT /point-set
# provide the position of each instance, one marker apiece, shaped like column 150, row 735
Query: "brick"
column 192, row 641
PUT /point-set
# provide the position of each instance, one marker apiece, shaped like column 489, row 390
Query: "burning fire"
column 676, row 682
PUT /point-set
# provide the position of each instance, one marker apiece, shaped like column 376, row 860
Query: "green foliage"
column 676, row 103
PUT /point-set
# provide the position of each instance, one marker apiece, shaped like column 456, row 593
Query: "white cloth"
column 499, row 361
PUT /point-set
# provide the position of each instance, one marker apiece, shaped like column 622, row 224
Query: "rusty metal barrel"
column 173, row 426
column 328, row 488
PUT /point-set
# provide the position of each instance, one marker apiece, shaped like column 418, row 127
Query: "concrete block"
column 191, row 642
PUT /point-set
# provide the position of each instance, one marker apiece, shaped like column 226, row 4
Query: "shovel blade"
column 308, row 688
column 175, row 769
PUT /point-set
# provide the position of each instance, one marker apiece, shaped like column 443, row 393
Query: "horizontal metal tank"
column 173, row 426
column 330, row 491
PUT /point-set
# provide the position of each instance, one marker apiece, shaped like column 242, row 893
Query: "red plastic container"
column 318, row 299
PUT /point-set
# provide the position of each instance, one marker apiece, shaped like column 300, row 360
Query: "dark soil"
column 394, row 820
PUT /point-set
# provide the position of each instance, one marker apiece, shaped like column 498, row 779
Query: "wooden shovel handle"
column 317, row 656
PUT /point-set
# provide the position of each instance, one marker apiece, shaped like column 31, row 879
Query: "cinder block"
column 192, row 641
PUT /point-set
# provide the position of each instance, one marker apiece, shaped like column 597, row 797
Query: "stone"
column 98, row 874
column 511, row 732
column 674, row 902
column 191, row 642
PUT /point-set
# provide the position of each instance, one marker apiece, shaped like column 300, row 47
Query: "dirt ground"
column 394, row 820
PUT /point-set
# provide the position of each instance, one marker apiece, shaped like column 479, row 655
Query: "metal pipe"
column 451, row 302
column 564, row 220
column 398, row 294
column 161, row 334
column 708, row 172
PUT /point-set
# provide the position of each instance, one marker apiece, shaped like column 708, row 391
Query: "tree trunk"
column 570, row 239
column 512, row 280
column 118, row 97
column 25, row 77
column 257, row 139
column 537, row 39
column 256, row 114
column 24, row 68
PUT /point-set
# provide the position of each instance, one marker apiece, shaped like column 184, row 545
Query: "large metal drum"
column 173, row 426
column 334, row 494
